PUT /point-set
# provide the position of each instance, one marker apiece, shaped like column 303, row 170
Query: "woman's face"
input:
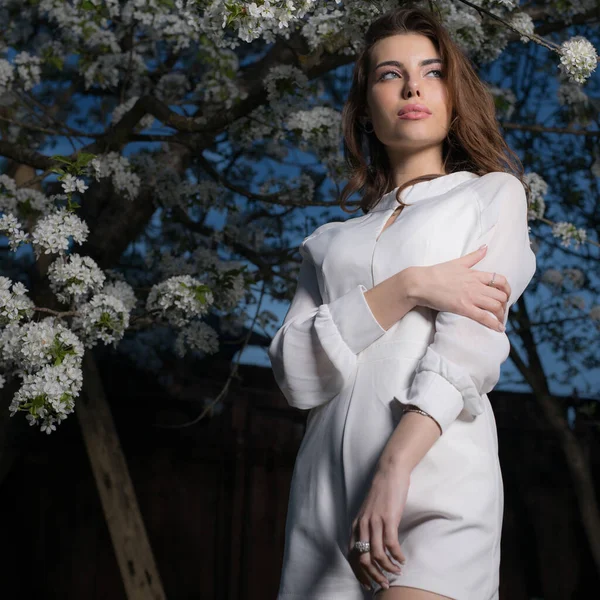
column 404, row 80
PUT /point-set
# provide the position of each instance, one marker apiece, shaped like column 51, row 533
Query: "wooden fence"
column 214, row 496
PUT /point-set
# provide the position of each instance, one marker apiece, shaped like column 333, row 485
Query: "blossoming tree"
column 126, row 125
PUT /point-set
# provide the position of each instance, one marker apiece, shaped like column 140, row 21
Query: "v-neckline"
column 386, row 224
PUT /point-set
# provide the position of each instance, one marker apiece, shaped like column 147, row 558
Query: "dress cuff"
column 356, row 323
column 436, row 396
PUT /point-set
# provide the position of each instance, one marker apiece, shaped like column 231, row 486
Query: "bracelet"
column 413, row 408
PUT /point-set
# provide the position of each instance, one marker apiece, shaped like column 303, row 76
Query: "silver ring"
column 362, row 547
column 492, row 281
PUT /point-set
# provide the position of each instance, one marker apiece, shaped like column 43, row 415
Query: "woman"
column 392, row 341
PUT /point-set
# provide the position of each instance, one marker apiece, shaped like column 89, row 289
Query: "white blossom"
column 71, row 184
column 538, row 189
column 320, row 126
column 179, row 299
column 24, row 201
column 123, row 291
column 264, row 19
column 118, row 168
column 569, row 93
column 14, row 302
column 104, row 317
column 10, row 340
column 578, row 58
column 522, row 22
column 282, row 80
column 28, row 69
column 52, row 233
column 197, row 335
column 7, row 75
column 75, row 277
column 568, row 231
column 48, row 394
column 45, row 343
column 319, row 129
column 11, row 227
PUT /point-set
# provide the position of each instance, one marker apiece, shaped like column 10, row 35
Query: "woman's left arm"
column 464, row 359
column 462, row 362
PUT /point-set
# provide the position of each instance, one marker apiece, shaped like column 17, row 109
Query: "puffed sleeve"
column 314, row 353
column 464, row 358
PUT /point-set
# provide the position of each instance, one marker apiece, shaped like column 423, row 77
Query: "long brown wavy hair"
column 474, row 142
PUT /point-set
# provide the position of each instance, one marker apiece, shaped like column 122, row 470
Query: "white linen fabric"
column 333, row 358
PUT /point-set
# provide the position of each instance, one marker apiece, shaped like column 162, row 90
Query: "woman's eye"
column 383, row 76
column 387, row 73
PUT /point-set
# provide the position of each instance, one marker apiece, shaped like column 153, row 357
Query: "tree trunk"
column 577, row 462
column 130, row 541
column 580, row 470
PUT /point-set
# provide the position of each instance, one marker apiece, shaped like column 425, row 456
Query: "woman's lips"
column 414, row 115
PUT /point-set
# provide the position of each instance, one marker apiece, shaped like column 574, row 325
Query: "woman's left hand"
column 377, row 522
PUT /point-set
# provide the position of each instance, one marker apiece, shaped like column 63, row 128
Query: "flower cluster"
column 118, row 168
column 179, row 299
column 28, row 69
column 22, row 202
column 578, row 59
column 75, row 277
column 283, row 81
column 14, row 302
column 71, row 184
column 538, row 189
column 523, row 23
column 12, row 229
column 47, row 356
column 52, row 234
column 568, row 232
column 105, row 317
column 261, row 20
column 197, row 336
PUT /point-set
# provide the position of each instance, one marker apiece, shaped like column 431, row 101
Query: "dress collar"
column 424, row 189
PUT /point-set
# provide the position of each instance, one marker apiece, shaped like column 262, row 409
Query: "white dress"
column 333, row 358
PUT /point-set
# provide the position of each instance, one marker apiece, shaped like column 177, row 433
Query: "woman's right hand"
column 452, row 286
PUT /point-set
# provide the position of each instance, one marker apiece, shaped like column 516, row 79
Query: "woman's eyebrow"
column 395, row 63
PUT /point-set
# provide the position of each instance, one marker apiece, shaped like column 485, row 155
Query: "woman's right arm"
column 314, row 353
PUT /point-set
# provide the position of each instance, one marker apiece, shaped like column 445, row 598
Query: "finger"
column 390, row 539
column 500, row 282
column 493, row 292
column 378, row 547
column 485, row 318
column 377, row 553
column 365, row 562
column 494, row 306
column 353, row 555
column 474, row 257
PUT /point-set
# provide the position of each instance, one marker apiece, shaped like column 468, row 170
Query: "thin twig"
column 232, row 373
